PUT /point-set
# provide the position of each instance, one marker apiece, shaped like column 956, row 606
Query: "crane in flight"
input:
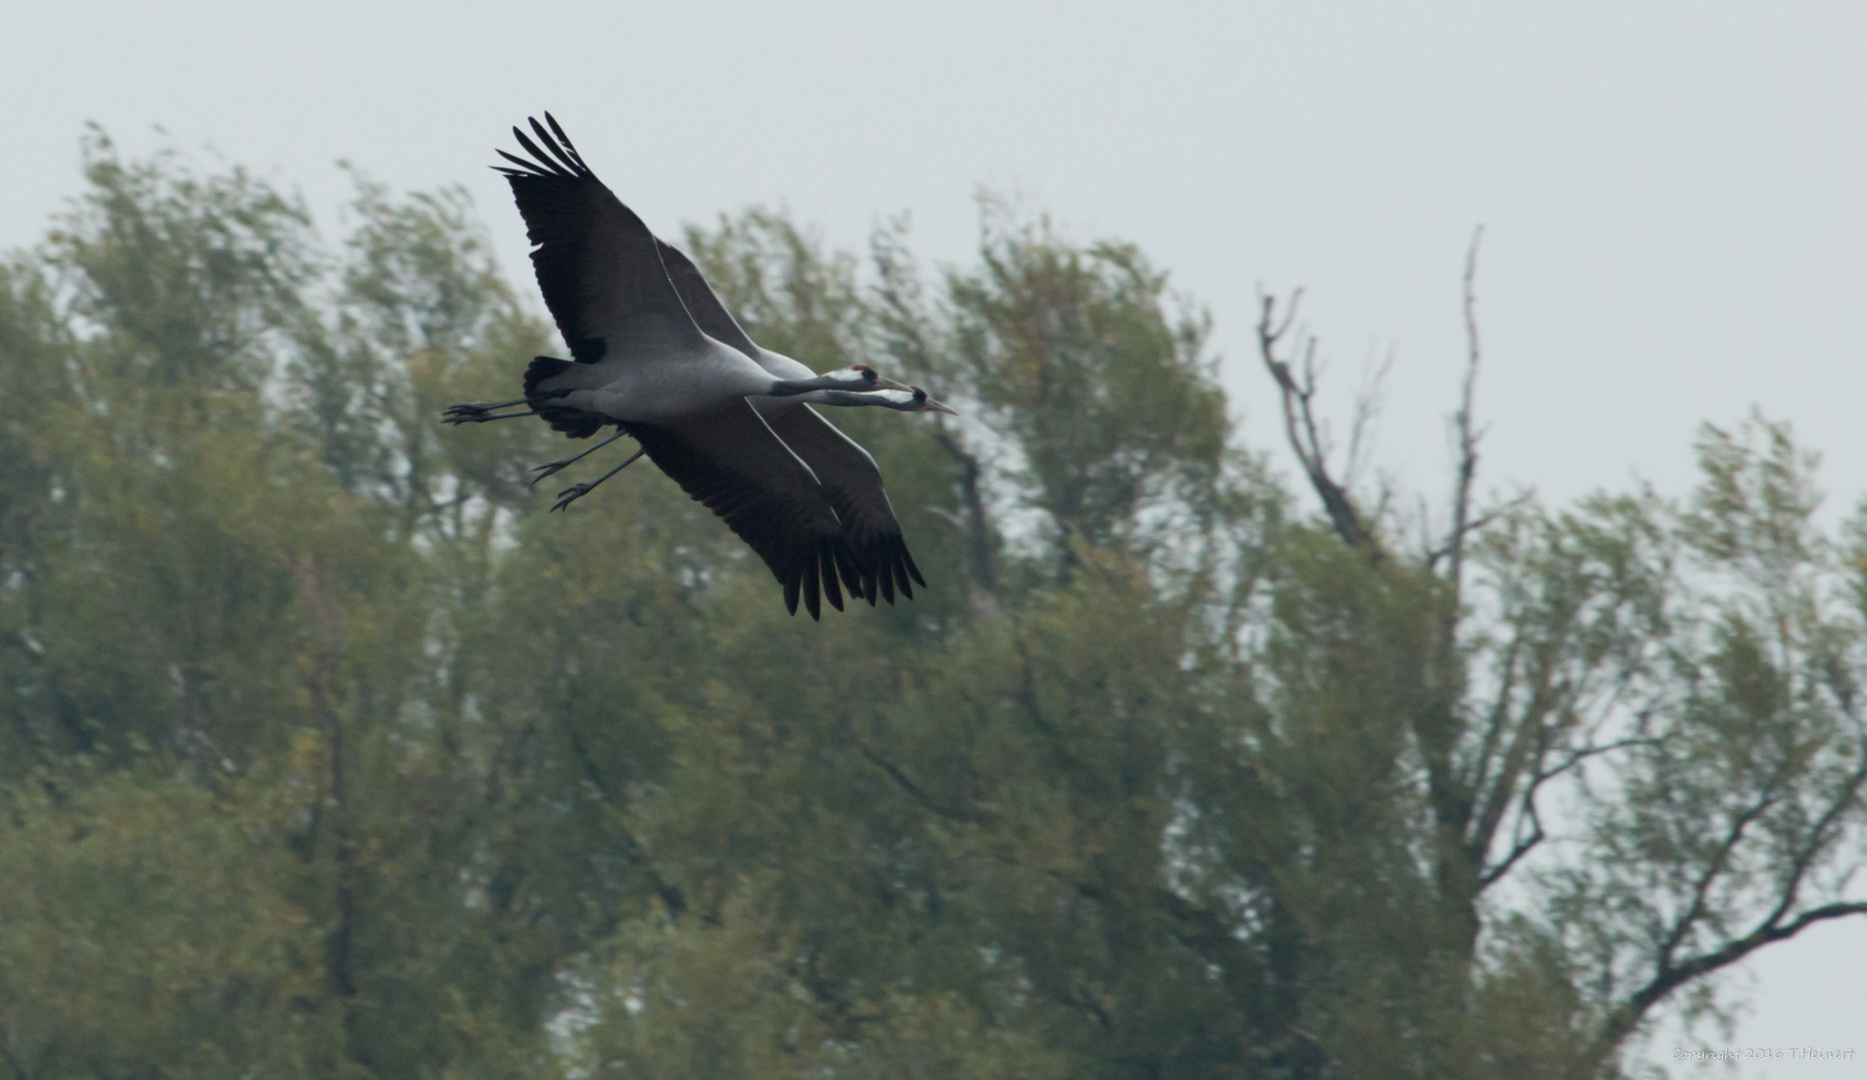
column 656, row 353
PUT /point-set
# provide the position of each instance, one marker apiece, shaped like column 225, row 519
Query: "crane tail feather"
column 574, row 423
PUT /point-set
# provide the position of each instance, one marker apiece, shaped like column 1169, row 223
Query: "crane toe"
column 572, row 494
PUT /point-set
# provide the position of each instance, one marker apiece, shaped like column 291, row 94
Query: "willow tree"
column 328, row 751
column 1668, row 687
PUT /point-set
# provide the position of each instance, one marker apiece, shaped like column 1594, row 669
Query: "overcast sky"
column 1674, row 195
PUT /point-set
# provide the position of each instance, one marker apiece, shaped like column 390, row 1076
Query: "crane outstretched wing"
column 730, row 462
column 604, row 278
column 597, row 263
column 704, row 304
column 848, row 474
column 853, row 484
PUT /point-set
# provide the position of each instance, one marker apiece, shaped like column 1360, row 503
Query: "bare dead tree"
column 1300, row 424
column 1519, row 734
column 1368, row 403
column 1464, row 427
column 1552, row 704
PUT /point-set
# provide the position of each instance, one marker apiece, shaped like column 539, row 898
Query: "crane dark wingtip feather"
column 831, row 590
column 551, row 144
column 546, row 166
column 851, row 573
column 899, row 562
column 524, row 168
column 812, row 597
column 565, row 139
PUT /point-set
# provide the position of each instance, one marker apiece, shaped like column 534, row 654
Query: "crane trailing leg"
column 577, row 491
column 553, row 466
column 479, row 412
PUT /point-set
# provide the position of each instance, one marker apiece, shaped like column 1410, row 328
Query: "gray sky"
column 1674, row 195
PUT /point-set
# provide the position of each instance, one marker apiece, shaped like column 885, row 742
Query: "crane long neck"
column 887, row 399
column 851, row 380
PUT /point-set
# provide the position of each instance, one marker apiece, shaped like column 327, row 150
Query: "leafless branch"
column 1300, row 423
column 1578, row 756
column 1520, row 848
column 1456, row 536
column 1368, row 404
column 1464, row 425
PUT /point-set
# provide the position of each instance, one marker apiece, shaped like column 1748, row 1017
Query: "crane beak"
column 930, row 404
column 923, row 401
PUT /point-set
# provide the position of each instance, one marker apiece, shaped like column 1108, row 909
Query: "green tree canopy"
column 325, row 751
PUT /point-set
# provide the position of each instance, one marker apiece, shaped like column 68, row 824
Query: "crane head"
column 905, row 398
column 925, row 402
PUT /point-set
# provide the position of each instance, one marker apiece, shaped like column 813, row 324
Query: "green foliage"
column 326, row 751
column 214, row 973
column 1105, row 392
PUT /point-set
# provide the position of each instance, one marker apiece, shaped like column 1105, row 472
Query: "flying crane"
column 656, row 353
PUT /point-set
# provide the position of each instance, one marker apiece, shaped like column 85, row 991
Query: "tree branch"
column 981, row 548
column 1733, row 836
column 900, row 292
column 1435, row 555
column 1521, row 848
column 1528, row 804
column 1668, row 976
column 672, row 897
column 1206, row 934
column 1624, row 1019
column 906, row 783
column 1300, row 422
column 1799, row 866
column 1463, row 425
column 1082, row 1002
column 1531, row 728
